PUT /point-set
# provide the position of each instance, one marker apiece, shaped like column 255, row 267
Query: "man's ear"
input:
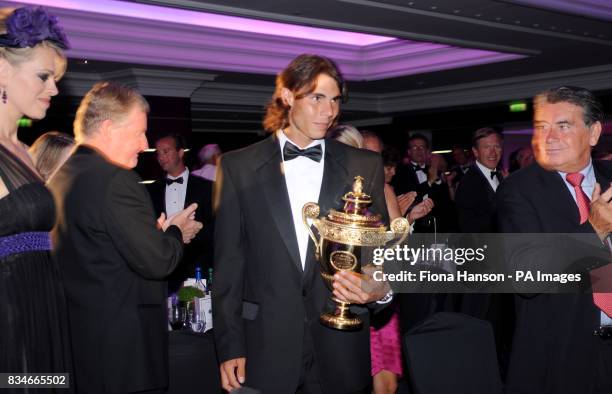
column 181, row 153
column 107, row 128
column 595, row 132
column 287, row 96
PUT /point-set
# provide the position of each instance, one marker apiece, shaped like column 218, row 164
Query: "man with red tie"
column 562, row 342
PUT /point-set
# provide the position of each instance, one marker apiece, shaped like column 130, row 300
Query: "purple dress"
column 385, row 344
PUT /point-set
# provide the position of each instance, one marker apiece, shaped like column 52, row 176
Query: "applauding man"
column 112, row 256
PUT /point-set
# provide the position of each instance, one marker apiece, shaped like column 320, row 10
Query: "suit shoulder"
column 521, row 179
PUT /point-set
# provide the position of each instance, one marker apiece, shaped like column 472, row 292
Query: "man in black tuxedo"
column 113, row 258
column 462, row 163
column 175, row 191
column 423, row 174
column 554, row 348
column 475, row 198
column 268, row 292
column 477, row 213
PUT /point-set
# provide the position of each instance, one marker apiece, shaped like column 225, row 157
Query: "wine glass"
column 197, row 319
column 177, row 317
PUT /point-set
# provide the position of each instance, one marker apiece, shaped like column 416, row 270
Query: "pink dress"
column 386, row 347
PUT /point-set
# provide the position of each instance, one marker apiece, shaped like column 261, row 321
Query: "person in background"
column 520, row 158
column 33, row 315
column 385, row 342
column 50, row 151
column 424, row 176
column 175, row 191
column 348, row 135
column 475, row 198
column 461, row 161
column 209, row 157
column 112, row 254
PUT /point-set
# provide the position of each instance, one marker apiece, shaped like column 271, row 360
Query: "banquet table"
column 193, row 363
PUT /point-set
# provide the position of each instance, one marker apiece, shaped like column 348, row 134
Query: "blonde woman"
column 33, row 316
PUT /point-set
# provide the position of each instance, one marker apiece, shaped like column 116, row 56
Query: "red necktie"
column 600, row 277
column 575, row 179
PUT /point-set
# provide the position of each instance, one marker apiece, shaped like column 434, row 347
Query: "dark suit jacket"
column 554, row 350
column 262, row 299
column 113, row 261
column 406, row 180
column 475, row 202
column 477, row 213
column 200, row 250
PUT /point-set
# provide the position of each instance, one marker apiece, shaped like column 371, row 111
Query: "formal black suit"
column 200, row 250
column 554, row 349
column 406, row 180
column 113, row 263
column 475, row 202
column 263, row 301
column 477, row 213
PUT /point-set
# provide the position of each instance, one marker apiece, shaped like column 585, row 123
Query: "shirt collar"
column 589, row 175
column 183, row 175
column 282, row 138
column 485, row 170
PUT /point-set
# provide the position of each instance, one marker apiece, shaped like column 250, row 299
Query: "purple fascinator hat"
column 28, row 26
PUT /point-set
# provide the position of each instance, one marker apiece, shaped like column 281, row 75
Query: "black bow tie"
column 496, row 173
column 291, row 151
column 171, row 181
column 417, row 167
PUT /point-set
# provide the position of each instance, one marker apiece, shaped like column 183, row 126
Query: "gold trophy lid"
column 355, row 210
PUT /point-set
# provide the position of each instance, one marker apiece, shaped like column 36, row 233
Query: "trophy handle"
column 399, row 227
column 310, row 212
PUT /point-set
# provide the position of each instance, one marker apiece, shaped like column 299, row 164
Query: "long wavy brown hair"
column 300, row 77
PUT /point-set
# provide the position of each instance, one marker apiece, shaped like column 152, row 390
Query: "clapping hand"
column 420, row 210
column 185, row 221
column 600, row 215
column 405, row 201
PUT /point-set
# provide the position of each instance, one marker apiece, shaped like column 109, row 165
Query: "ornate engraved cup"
column 342, row 235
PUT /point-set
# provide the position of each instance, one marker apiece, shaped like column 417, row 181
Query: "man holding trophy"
column 269, row 292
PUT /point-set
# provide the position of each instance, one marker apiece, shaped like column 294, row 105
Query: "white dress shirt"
column 175, row 194
column 420, row 172
column 494, row 182
column 303, row 177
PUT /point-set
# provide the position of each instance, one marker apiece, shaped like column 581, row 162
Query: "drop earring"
column 4, row 96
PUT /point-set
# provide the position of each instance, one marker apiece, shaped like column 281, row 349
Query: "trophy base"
column 341, row 318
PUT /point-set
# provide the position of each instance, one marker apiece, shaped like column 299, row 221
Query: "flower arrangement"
column 27, row 27
column 187, row 294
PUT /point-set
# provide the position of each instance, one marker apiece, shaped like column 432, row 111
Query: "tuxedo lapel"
column 189, row 192
column 333, row 186
column 484, row 182
column 274, row 188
